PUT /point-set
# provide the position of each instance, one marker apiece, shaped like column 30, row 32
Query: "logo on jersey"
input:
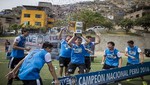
column 77, row 50
column 111, row 56
column 132, row 52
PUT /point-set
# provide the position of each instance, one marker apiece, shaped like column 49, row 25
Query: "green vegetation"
column 126, row 24
column 15, row 27
column 144, row 22
column 91, row 19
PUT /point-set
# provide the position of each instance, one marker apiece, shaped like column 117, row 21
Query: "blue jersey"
column 16, row 53
column 89, row 46
column 65, row 50
column 32, row 65
column 112, row 57
column 133, row 52
column 77, row 54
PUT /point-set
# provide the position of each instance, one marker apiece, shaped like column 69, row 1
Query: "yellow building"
column 36, row 16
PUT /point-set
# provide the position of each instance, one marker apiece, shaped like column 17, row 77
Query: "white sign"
column 79, row 24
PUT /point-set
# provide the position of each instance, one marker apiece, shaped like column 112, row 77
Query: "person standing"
column 6, row 47
column 17, row 53
column 77, row 55
column 112, row 58
column 135, row 56
column 88, row 54
column 29, row 67
column 65, row 53
column 9, row 51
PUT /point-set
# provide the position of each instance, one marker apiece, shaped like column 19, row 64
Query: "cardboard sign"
column 35, row 41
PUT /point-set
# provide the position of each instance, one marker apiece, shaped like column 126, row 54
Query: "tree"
column 15, row 27
column 59, row 23
column 108, row 24
column 126, row 24
column 90, row 18
column 1, row 29
column 143, row 22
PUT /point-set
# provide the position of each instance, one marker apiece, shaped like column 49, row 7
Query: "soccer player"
column 88, row 54
column 65, row 53
column 135, row 56
column 112, row 57
column 29, row 67
column 77, row 55
column 17, row 53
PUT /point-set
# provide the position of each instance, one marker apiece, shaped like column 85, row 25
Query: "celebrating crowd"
column 73, row 53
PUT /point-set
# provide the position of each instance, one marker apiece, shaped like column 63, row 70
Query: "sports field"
column 47, row 78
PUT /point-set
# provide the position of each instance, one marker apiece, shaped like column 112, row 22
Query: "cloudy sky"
column 8, row 4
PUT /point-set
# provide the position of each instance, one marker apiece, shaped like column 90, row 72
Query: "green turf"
column 47, row 78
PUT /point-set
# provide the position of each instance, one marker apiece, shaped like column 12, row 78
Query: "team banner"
column 108, row 76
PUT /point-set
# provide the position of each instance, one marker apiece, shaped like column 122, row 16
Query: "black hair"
column 47, row 44
column 24, row 30
column 88, row 37
column 130, row 42
column 112, row 43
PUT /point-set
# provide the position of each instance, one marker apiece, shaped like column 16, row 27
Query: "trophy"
column 79, row 27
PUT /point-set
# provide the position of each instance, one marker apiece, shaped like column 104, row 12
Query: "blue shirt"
column 112, row 57
column 32, row 65
column 133, row 52
column 16, row 53
column 65, row 50
column 77, row 54
column 89, row 46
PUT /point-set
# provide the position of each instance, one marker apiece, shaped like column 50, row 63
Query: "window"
column 38, row 23
column 27, row 15
column 38, row 15
column 51, row 16
column 27, row 23
column 50, row 22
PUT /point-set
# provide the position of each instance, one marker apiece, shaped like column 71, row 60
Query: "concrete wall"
column 121, row 41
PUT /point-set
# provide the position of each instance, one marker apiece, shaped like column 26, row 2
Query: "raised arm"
column 87, row 40
column 60, row 34
column 70, row 41
column 98, row 37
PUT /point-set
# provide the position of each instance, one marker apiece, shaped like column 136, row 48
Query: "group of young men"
column 73, row 53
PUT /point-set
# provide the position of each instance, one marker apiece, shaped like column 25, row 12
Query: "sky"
column 8, row 4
